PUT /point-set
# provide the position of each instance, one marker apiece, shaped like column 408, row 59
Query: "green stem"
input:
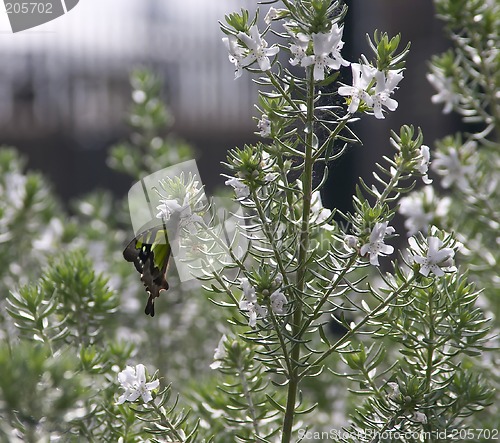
column 303, row 250
column 166, row 423
column 248, row 397
column 358, row 326
column 430, row 344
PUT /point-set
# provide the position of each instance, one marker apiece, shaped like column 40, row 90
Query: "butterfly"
column 150, row 253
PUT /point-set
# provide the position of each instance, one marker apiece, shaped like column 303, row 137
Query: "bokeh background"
column 64, row 86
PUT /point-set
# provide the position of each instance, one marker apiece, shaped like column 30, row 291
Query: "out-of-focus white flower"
column 362, row 76
column 258, row 50
column 278, row 302
column 15, row 189
column 236, row 54
column 421, row 208
column 249, row 303
column 320, row 213
column 444, row 86
column 50, row 237
column 385, row 86
column 241, row 190
column 436, row 258
column 220, row 353
column 327, row 47
column 423, row 167
column 264, row 126
column 133, row 380
column 376, row 246
column 298, row 48
column 452, row 169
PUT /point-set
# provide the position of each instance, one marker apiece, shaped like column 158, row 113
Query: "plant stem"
column 248, row 397
column 303, row 250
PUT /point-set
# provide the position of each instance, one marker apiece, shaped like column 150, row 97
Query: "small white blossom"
column 298, row 48
column 275, row 14
column 423, row 167
column 376, row 245
column 249, row 303
column 242, row 190
column 453, row 170
column 384, row 87
column 258, row 50
column 362, row 76
column 134, row 383
column 236, row 54
column 278, row 302
column 444, row 87
column 324, row 45
column 171, row 207
column 435, row 259
column 320, row 212
column 421, row 208
column 264, row 126
column 220, row 353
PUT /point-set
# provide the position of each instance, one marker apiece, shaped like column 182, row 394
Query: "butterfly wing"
column 150, row 253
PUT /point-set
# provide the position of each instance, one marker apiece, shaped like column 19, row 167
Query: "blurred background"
column 64, row 86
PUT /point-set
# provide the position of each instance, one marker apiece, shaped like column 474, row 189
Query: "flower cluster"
column 371, row 88
column 247, row 48
column 249, row 303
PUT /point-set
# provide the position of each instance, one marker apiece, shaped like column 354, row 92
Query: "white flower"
column 220, row 353
column 278, row 302
column 242, row 190
column 134, row 383
column 321, row 213
column 298, row 48
column 435, row 259
column 423, row 167
column 362, row 76
column 444, row 86
column 385, row 86
column 376, row 245
column 169, row 208
column 275, row 14
column 421, row 208
column 236, row 54
column 449, row 166
column 264, row 126
column 258, row 49
column 325, row 44
column 249, row 303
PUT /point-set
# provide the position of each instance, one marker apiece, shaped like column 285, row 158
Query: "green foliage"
column 411, row 351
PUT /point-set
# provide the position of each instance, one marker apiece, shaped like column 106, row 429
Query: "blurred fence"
column 72, row 73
